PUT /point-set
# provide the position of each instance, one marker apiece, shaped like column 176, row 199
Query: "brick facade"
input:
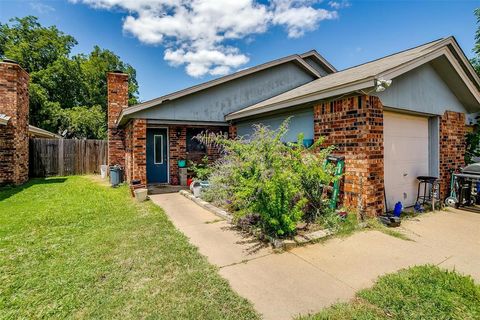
column 136, row 151
column 452, row 147
column 355, row 126
column 177, row 139
column 177, row 136
column 117, row 99
column 14, row 102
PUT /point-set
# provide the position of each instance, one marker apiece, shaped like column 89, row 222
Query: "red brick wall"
column 136, row 150
column 177, row 139
column 178, row 147
column 117, row 99
column 355, row 126
column 452, row 147
column 14, row 102
column 232, row 131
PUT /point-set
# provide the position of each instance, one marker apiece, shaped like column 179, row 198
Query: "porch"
column 160, row 154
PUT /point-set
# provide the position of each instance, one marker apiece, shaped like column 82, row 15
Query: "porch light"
column 179, row 132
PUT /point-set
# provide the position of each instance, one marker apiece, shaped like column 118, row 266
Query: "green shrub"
column 201, row 170
column 280, row 182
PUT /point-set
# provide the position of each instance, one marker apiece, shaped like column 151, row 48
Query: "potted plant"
column 202, row 172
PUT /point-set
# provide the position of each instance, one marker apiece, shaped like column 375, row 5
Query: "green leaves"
column 281, row 183
column 475, row 61
column 60, row 82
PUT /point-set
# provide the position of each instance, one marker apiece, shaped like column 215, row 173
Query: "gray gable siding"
column 312, row 62
column 421, row 90
column 214, row 103
column 301, row 122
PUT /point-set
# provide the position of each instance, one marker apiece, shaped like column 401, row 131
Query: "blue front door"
column 157, row 156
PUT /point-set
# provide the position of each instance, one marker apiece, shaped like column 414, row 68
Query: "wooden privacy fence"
column 63, row 157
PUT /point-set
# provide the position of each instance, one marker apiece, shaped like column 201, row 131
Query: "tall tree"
column 33, row 46
column 476, row 60
column 67, row 93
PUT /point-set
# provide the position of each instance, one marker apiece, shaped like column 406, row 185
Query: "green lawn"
column 70, row 247
column 424, row 292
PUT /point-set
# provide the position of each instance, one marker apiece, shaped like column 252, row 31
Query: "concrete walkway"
column 313, row 277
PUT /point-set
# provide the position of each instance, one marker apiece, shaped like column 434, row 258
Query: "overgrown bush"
column 281, row 183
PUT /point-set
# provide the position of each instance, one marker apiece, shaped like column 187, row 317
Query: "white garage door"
column 406, row 156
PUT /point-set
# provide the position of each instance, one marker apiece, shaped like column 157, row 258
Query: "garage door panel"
column 409, row 125
column 399, row 145
column 406, row 156
column 404, row 174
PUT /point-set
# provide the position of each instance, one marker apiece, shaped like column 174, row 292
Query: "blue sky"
column 357, row 32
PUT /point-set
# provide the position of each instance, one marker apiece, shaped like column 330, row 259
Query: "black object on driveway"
column 390, row 221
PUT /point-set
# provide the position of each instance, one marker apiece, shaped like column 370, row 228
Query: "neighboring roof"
column 363, row 76
column 41, row 133
column 295, row 58
column 4, row 119
column 32, row 130
column 314, row 54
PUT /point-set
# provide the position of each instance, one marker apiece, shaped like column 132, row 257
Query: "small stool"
column 430, row 189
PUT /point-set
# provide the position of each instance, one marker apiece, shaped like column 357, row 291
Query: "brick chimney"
column 117, row 99
column 14, row 133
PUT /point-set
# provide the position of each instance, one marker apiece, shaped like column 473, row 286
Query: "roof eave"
column 324, row 94
column 209, row 84
column 42, row 132
column 441, row 51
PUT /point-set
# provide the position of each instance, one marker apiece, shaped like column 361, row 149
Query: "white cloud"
column 339, row 5
column 299, row 16
column 41, row 7
column 198, row 34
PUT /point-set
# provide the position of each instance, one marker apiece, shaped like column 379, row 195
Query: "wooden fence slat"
column 51, row 157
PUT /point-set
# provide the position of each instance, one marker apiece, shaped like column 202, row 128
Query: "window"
column 158, row 149
column 193, row 145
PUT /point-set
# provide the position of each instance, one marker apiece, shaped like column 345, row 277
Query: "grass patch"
column 71, row 248
column 350, row 224
column 422, row 292
column 373, row 223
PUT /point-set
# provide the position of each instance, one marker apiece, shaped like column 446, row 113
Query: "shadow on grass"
column 8, row 191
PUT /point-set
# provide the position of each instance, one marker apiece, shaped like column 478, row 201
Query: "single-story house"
column 393, row 118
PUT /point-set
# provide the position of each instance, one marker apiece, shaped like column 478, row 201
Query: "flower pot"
column 182, row 163
column 307, row 143
column 141, row 194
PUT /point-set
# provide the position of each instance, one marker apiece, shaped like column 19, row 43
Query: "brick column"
column 117, row 99
column 452, row 147
column 232, row 131
column 136, row 150
column 178, row 150
column 355, row 126
column 14, row 104
column 139, row 142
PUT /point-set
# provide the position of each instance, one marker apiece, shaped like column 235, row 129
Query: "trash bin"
column 115, row 175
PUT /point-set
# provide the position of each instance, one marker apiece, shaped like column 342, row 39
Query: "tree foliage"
column 476, row 60
column 473, row 138
column 68, row 93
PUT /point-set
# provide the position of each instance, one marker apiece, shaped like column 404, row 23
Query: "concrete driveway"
column 307, row 279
